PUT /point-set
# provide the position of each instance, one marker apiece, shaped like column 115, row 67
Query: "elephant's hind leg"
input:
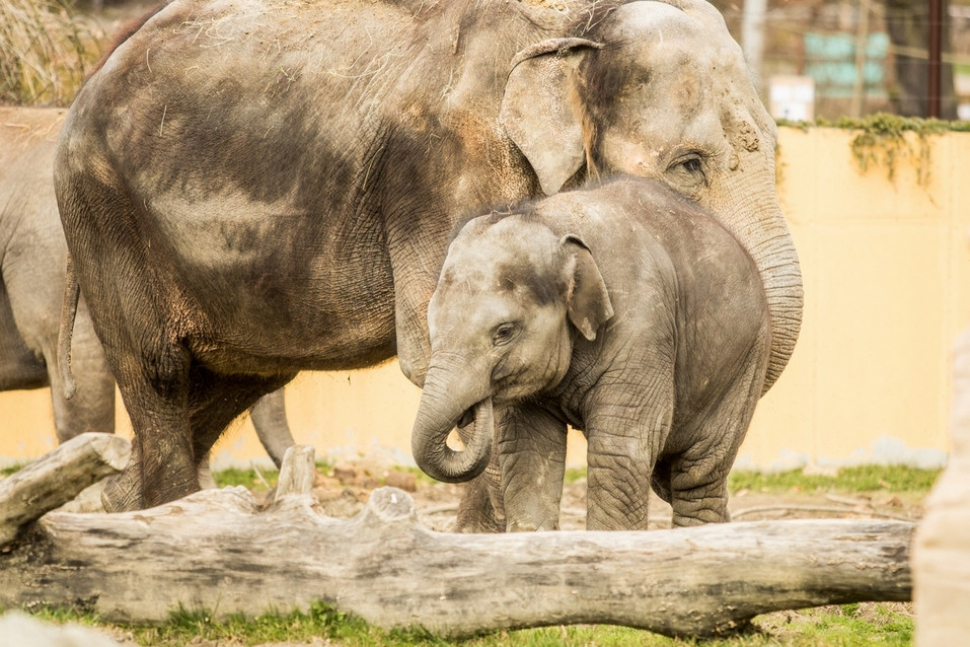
column 20, row 367
column 162, row 467
column 699, row 474
column 216, row 400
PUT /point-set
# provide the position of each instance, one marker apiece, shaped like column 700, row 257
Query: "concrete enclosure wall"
column 887, row 284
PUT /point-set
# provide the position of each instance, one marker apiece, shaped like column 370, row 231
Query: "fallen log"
column 218, row 551
column 57, row 477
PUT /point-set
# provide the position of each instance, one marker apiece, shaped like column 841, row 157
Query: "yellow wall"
column 887, row 284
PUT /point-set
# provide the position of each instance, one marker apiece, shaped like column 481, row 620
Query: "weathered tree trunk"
column 216, row 550
column 54, row 480
column 941, row 551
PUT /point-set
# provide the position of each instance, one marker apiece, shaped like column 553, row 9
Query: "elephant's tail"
column 72, row 293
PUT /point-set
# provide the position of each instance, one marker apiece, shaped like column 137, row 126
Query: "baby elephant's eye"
column 503, row 334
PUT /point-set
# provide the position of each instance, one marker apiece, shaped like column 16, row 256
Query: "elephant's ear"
column 587, row 302
column 541, row 111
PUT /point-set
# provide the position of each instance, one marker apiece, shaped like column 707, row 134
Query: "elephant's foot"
column 122, row 493
column 477, row 511
column 697, row 512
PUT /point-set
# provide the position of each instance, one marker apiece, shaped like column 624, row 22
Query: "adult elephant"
column 33, row 258
column 255, row 188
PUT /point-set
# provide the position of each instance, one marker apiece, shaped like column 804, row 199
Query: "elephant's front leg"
column 624, row 440
column 482, row 508
column 532, row 455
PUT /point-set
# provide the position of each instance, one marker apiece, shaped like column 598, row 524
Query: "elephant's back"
column 28, row 139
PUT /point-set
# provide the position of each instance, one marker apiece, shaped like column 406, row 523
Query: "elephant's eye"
column 503, row 334
column 693, row 165
column 687, row 173
column 690, row 164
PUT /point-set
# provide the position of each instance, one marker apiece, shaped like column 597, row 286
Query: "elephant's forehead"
column 510, row 257
column 664, row 42
column 652, row 20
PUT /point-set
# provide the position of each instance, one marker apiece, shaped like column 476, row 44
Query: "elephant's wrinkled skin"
column 258, row 187
column 33, row 256
column 623, row 310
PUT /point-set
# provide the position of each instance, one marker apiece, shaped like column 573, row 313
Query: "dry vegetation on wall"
column 45, row 50
column 884, row 141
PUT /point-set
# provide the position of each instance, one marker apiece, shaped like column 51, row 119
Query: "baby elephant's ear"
column 587, row 301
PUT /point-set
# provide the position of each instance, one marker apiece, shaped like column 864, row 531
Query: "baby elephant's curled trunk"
column 440, row 412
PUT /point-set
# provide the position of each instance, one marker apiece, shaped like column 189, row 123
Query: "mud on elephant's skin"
column 33, row 258
column 623, row 310
column 276, row 195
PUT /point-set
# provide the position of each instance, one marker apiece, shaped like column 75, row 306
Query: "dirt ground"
column 344, row 490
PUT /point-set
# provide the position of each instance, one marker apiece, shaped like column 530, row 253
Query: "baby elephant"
column 623, row 310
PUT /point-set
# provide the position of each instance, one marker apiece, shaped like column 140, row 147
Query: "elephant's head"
column 511, row 297
column 661, row 90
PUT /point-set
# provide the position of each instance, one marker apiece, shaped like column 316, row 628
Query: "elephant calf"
column 623, row 310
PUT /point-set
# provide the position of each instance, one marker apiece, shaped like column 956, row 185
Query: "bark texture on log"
column 215, row 550
column 58, row 477
column 218, row 551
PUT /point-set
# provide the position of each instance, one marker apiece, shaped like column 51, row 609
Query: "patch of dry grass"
column 45, row 50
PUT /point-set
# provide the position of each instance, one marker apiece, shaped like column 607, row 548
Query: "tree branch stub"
column 58, row 477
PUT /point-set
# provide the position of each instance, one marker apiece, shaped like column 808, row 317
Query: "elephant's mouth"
column 467, row 418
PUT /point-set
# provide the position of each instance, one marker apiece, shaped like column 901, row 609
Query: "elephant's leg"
column 482, row 508
column 155, row 392
column 698, row 475
column 626, row 428
column 269, row 420
column 532, row 452
column 20, row 368
column 216, row 400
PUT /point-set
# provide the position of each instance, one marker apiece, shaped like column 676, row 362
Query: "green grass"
column 247, row 477
column 419, row 476
column 852, row 624
column 575, row 474
column 10, row 469
column 865, row 478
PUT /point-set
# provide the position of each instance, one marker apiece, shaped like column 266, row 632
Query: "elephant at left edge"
column 33, row 258
column 623, row 310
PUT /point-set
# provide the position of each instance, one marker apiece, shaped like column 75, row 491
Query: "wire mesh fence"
column 834, row 58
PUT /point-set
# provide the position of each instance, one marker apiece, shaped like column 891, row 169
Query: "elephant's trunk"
column 765, row 235
column 444, row 405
